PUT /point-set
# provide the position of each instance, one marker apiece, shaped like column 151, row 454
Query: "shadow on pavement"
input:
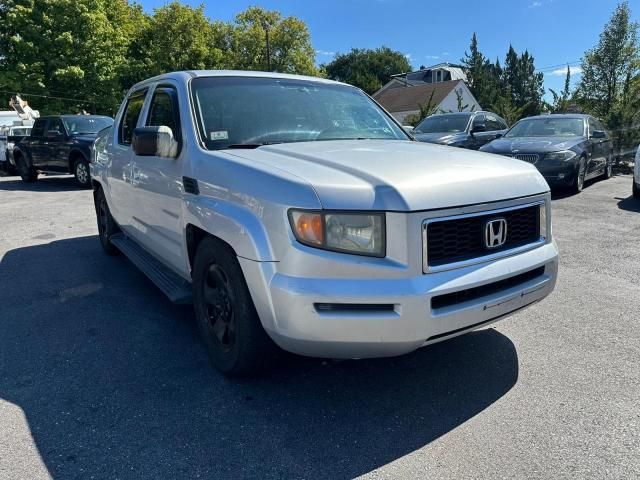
column 630, row 204
column 114, row 384
column 45, row 183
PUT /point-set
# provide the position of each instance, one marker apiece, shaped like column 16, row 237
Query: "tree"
column 290, row 49
column 525, row 85
column 561, row 100
column 66, row 48
column 176, row 37
column 426, row 110
column 608, row 65
column 367, row 69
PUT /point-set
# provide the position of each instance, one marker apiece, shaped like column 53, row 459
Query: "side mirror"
column 154, row 142
column 598, row 134
column 54, row 135
column 499, row 135
column 479, row 127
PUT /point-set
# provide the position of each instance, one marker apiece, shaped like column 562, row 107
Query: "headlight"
column 544, row 233
column 564, row 155
column 357, row 233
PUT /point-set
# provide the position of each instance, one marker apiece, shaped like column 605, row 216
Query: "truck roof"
column 188, row 74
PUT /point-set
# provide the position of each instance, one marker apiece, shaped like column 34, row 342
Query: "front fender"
column 236, row 225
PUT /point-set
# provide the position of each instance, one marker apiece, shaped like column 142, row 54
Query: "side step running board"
column 172, row 285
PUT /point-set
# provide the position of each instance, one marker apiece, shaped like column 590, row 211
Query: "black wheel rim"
column 82, row 174
column 581, row 172
column 103, row 218
column 219, row 307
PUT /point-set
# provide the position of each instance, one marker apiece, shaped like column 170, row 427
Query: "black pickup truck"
column 59, row 144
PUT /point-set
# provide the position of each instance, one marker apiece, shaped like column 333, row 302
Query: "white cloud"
column 408, row 56
column 433, row 57
column 445, row 54
column 535, row 4
column 325, row 53
column 561, row 72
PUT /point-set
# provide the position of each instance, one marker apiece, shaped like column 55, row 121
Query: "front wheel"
column 578, row 182
column 227, row 319
column 107, row 226
column 608, row 169
column 81, row 172
column 27, row 173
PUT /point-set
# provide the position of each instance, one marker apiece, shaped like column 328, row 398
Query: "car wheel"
column 27, row 173
column 227, row 319
column 608, row 169
column 636, row 190
column 578, row 182
column 107, row 226
column 81, row 172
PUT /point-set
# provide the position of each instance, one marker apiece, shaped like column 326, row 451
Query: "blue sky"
column 556, row 32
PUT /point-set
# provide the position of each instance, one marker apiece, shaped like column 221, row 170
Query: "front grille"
column 525, row 157
column 458, row 240
column 469, row 294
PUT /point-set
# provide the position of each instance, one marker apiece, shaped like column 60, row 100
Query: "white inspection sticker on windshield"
column 219, row 135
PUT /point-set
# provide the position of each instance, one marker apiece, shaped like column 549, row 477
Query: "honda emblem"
column 495, row 233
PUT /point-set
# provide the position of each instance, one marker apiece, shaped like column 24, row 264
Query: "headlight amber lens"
column 362, row 234
column 543, row 221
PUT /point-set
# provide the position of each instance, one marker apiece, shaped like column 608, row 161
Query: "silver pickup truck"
column 296, row 214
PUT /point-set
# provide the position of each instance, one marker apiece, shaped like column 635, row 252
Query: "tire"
column 636, row 189
column 27, row 173
column 226, row 316
column 608, row 169
column 581, row 171
column 82, row 173
column 106, row 224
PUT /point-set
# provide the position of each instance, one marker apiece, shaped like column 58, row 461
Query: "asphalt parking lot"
column 101, row 377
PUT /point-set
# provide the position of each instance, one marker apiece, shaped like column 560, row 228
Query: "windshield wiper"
column 251, row 145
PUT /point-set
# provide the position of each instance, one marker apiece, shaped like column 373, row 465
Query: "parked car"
column 7, row 141
column 566, row 148
column 59, row 144
column 636, row 174
column 462, row 129
column 319, row 226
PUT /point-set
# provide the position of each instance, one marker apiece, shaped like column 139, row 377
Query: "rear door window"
column 493, row 123
column 130, row 117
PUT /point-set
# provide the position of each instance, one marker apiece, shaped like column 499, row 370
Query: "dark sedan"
column 566, row 148
column 463, row 129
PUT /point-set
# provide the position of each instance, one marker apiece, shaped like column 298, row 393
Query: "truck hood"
column 531, row 144
column 399, row 175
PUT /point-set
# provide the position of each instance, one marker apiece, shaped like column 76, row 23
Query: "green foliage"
column 66, row 48
column 515, row 88
column 610, row 83
column 94, row 50
column 561, row 101
column 367, row 69
column 289, row 43
column 426, row 110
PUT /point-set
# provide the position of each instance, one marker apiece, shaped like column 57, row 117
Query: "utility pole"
column 266, row 27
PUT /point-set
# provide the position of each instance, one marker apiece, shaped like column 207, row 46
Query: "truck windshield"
column 86, row 124
column 247, row 111
column 443, row 124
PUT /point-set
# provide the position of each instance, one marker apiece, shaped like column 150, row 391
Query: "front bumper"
column 558, row 173
column 287, row 305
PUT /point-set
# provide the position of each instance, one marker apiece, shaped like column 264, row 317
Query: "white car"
column 296, row 213
column 636, row 175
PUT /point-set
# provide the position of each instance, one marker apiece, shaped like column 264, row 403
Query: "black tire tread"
column 254, row 351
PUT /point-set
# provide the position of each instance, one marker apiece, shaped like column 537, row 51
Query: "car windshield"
column 547, row 127
column 443, row 124
column 246, row 111
column 86, row 124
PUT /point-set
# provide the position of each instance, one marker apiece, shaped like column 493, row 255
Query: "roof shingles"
column 407, row 99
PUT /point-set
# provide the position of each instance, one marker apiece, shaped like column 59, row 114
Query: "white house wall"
column 450, row 102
